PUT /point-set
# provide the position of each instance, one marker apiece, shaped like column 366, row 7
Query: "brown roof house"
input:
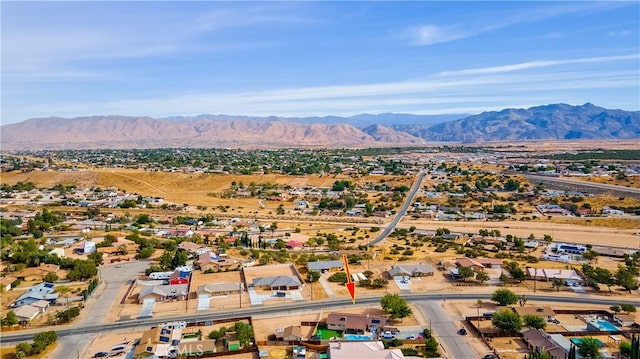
column 36, row 273
column 479, row 264
column 538, row 340
column 291, row 333
column 163, row 293
column 355, row 323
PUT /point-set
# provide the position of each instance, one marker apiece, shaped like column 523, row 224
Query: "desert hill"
column 549, row 122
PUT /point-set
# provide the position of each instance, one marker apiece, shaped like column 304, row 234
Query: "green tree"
column 245, row 333
column 625, row 349
column 534, row 321
column 10, row 319
column 482, row 277
column 507, row 320
column 313, row 276
column 50, row 277
column 628, row 308
column 615, row 308
column 556, row 283
column 96, row 257
column 589, row 348
column 465, row 272
column 395, row 306
column 626, row 279
column 504, row 296
column 338, row 277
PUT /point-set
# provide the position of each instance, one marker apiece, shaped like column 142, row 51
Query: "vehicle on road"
column 489, row 356
column 101, row 355
column 462, row 331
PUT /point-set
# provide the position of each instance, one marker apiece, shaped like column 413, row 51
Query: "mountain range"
column 548, row 122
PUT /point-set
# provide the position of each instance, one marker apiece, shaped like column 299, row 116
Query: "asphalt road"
column 445, row 328
column 114, row 278
column 401, row 212
column 277, row 310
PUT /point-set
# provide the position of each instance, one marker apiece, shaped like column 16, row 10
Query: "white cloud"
column 432, row 34
column 538, row 64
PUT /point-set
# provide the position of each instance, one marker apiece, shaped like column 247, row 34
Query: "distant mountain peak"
column 545, row 122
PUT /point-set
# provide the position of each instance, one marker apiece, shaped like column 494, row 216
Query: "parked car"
column 412, row 337
column 101, row 355
column 387, row 335
column 489, row 356
column 462, row 331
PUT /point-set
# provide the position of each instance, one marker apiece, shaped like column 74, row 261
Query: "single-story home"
column 210, row 260
column 541, row 311
column 545, row 274
column 42, row 291
column 290, row 333
column 219, row 288
column 281, row 282
column 412, row 270
column 162, row 293
column 320, row 266
column 36, row 273
column 155, row 342
column 5, row 282
column 479, row 264
column 355, row 323
column 539, row 341
column 193, row 248
column 26, row 313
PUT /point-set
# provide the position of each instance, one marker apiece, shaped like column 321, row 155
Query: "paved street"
column 114, row 277
column 445, row 328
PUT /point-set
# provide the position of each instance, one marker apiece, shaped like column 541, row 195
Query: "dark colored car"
column 462, row 331
column 101, row 355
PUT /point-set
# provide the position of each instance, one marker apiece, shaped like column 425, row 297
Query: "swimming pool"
column 357, row 337
column 577, row 341
column 601, row 325
column 604, row 325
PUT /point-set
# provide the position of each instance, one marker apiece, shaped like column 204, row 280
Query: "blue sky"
column 304, row 58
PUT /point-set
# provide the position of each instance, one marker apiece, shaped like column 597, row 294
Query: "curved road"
column 403, row 210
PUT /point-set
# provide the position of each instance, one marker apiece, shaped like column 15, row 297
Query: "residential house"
column 217, row 289
column 323, row 266
column 179, row 278
column 355, row 323
column 162, row 293
column 538, row 340
column 26, row 313
column 281, row 282
column 58, row 251
column 36, row 273
column 355, row 349
column 479, row 264
column 157, row 342
column 42, row 291
column 193, row 248
column 544, row 312
column 568, row 276
column 213, row 261
column 411, row 270
column 5, row 282
column 292, row 333
column 293, row 244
